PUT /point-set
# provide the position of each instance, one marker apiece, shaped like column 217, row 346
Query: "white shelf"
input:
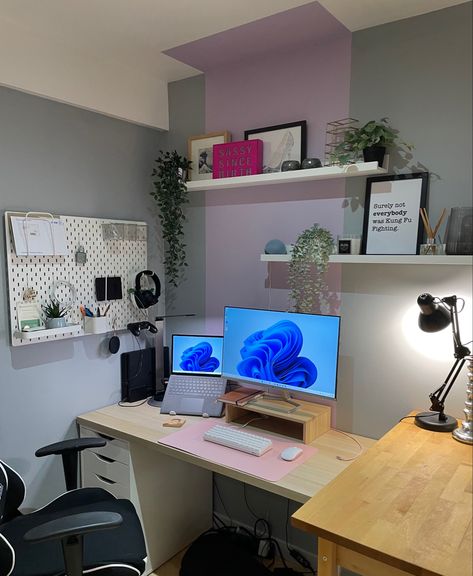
column 323, row 173
column 382, row 259
column 70, row 330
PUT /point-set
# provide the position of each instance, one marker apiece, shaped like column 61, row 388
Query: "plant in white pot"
column 309, row 262
column 55, row 314
column 370, row 141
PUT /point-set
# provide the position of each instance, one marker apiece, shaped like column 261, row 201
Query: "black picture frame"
column 281, row 142
column 392, row 223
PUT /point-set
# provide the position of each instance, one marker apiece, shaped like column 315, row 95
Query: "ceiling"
column 136, row 32
column 116, row 57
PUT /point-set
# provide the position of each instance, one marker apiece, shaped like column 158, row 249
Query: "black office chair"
column 85, row 529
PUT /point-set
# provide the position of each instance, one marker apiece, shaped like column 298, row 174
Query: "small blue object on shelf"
column 275, row 247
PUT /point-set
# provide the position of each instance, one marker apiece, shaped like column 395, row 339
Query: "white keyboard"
column 238, row 440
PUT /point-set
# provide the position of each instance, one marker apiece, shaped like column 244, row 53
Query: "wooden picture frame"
column 392, row 223
column 281, row 142
column 199, row 149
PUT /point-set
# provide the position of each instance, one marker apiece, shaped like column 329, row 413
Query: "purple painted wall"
column 305, row 77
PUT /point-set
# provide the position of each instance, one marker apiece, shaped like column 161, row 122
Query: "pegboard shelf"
column 63, row 277
column 70, row 330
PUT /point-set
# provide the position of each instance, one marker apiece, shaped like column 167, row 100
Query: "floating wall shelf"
column 324, row 173
column 382, row 259
column 67, row 331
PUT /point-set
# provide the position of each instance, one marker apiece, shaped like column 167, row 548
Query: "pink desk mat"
column 270, row 466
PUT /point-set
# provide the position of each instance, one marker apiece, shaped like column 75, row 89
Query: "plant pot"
column 55, row 323
column 374, row 154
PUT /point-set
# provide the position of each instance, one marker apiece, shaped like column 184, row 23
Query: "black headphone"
column 146, row 298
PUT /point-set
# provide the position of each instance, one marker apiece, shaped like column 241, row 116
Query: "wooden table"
column 403, row 507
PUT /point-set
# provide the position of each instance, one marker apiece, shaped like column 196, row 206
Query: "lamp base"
column 430, row 421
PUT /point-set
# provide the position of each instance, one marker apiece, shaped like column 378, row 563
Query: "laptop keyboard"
column 202, row 386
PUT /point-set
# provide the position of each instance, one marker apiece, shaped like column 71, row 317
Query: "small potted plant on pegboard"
column 55, row 314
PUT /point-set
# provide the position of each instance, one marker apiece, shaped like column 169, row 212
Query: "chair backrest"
column 3, row 490
column 13, row 492
column 7, row 556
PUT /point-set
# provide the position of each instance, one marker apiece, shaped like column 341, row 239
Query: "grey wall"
column 187, row 118
column 61, row 159
column 418, row 72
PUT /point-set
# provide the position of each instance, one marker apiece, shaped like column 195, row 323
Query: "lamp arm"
column 437, row 398
column 460, row 351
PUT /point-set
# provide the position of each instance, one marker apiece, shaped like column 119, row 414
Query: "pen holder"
column 96, row 324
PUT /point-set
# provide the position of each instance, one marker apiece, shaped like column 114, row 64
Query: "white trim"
column 112, row 566
column 2, row 466
column 12, row 552
column 19, row 476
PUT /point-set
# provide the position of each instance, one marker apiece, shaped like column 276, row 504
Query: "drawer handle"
column 105, row 436
column 104, row 458
column 103, row 479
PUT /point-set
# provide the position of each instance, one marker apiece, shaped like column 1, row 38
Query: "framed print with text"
column 392, row 223
column 200, row 152
column 280, row 143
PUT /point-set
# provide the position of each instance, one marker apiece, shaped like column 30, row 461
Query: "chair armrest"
column 69, row 450
column 73, row 445
column 74, row 525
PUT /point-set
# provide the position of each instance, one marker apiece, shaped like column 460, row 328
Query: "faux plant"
column 54, row 310
column 309, row 262
column 170, row 193
column 371, row 134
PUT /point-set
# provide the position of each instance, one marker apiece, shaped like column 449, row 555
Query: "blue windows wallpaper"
column 287, row 350
column 197, row 354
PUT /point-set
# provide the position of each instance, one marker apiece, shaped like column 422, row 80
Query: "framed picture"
column 282, row 142
column 200, row 153
column 392, row 223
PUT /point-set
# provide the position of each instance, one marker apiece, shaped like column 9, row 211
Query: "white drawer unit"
column 101, row 472
column 114, row 449
column 162, row 488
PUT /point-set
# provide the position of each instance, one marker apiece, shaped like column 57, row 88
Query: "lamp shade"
column 432, row 317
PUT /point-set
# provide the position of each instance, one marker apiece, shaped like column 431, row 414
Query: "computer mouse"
column 291, row 453
column 172, row 412
column 205, row 415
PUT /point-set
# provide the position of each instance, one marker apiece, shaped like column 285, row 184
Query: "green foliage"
column 371, row 134
column 170, row 193
column 309, row 262
column 53, row 309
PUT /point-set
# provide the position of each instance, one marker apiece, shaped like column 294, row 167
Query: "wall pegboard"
column 122, row 255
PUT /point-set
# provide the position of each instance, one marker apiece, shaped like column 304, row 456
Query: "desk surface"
column 144, row 424
column 406, row 502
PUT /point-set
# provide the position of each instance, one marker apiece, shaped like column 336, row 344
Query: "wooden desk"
column 153, row 465
column 404, row 507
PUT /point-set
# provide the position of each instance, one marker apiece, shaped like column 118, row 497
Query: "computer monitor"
column 193, row 354
column 285, row 350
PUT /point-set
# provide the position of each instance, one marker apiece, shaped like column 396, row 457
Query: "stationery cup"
column 96, row 324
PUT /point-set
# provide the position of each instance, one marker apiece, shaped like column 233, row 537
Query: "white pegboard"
column 121, row 257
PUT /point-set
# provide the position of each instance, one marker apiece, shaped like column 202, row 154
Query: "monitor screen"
column 197, row 354
column 294, row 352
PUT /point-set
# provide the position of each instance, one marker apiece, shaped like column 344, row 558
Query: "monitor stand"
column 286, row 397
column 304, row 423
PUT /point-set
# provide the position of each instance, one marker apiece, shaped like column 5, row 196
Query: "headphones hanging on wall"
column 145, row 298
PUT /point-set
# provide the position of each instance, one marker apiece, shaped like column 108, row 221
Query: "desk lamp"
column 436, row 314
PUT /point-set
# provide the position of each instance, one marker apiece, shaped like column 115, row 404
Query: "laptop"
column 195, row 382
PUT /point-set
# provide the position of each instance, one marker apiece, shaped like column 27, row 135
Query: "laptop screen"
column 197, row 354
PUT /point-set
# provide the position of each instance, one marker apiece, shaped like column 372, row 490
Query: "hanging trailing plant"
column 170, row 193
column 309, row 262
